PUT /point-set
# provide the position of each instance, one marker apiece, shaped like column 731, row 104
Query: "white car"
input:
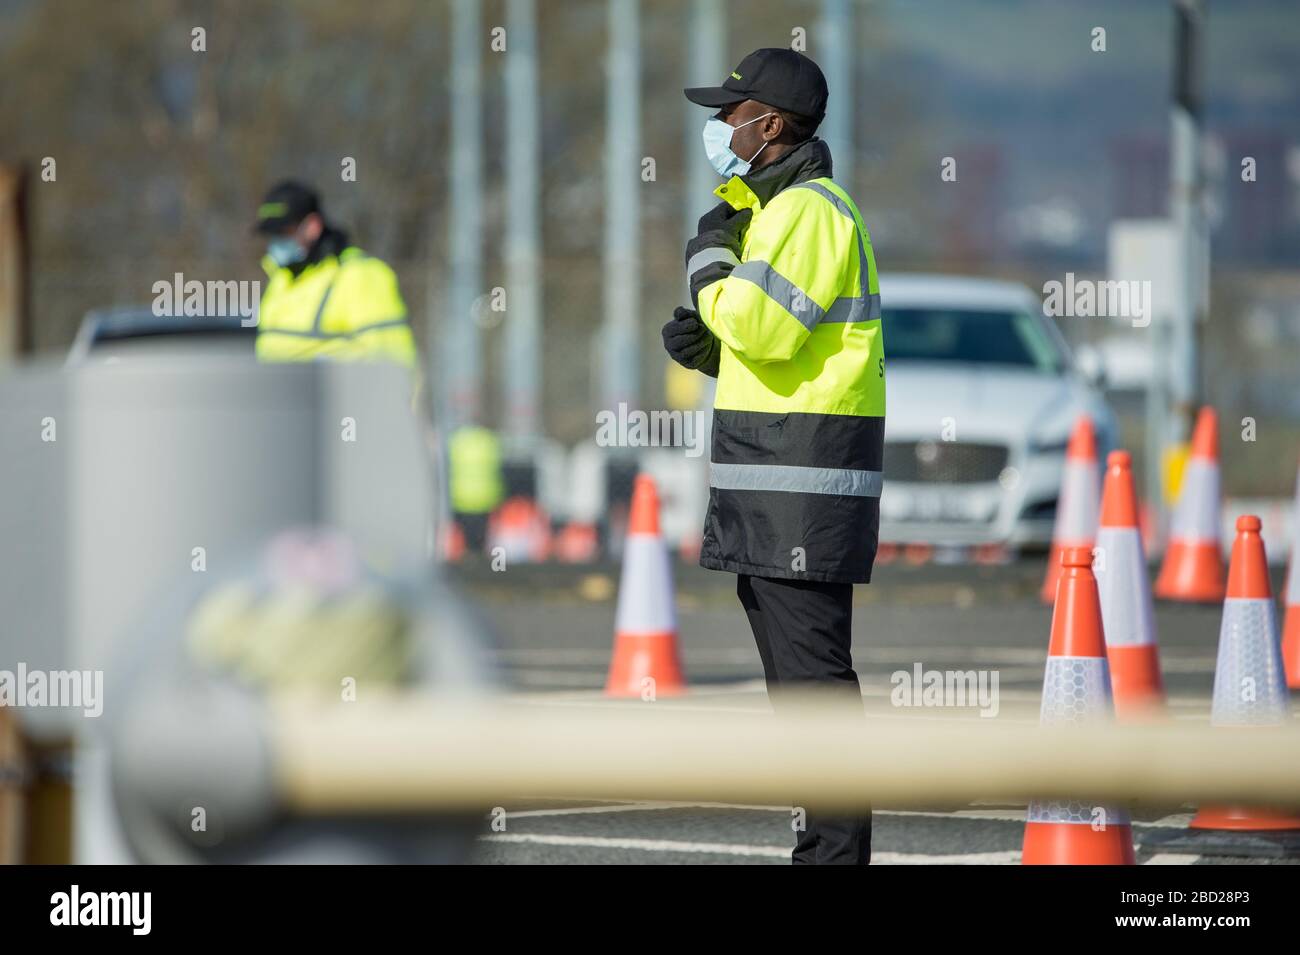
column 982, row 393
column 110, row 334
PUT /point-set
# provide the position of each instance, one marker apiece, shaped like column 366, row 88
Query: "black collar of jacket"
column 809, row 160
column 332, row 241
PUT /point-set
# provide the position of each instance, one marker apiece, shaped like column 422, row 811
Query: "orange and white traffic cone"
column 1120, row 567
column 1291, row 626
column 1076, row 507
column 688, row 549
column 453, row 542
column 646, row 663
column 577, row 543
column 521, row 530
column 1076, row 688
column 1249, row 682
column 1193, row 566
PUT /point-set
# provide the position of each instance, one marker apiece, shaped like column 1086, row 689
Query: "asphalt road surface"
column 555, row 631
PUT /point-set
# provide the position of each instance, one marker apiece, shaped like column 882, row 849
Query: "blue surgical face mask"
column 285, row 251
column 717, row 145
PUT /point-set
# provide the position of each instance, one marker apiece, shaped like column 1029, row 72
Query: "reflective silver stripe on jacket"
column 708, row 256
column 854, row 309
column 799, row 304
column 789, row 477
column 782, row 291
column 866, row 306
column 329, row 290
column 373, row 327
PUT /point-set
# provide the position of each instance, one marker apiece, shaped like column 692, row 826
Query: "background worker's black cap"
column 286, row 204
column 777, row 76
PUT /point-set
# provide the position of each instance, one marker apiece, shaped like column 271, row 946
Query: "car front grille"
column 943, row 462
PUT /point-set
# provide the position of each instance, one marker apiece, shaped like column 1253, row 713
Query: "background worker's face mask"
column 717, row 145
column 285, row 251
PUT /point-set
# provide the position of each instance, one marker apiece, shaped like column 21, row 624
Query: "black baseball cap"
column 776, row 76
column 285, row 205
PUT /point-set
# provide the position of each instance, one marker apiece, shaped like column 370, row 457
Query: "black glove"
column 690, row 343
column 724, row 217
column 715, row 250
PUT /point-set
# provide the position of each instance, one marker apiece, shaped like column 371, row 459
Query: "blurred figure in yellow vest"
column 326, row 299
column 477, row 484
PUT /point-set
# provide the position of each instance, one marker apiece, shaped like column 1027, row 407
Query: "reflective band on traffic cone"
column 1076, row 688
column 645, row 663
column 1291, row 628
column 1121, row 570
column 1193, row 564
column 1249, row 682
column 1076, row 507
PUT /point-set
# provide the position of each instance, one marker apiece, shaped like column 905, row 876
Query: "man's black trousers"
column 802, row 631
column 475, row 528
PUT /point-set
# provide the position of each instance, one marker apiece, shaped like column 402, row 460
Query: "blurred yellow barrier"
column 400, row 755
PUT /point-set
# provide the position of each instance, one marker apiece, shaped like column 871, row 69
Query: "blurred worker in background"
column 787, row 318
column 325, row 298
column 477, row 483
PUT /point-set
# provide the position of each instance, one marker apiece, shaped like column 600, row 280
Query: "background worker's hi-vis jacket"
column 345, row 306
column 799, row 416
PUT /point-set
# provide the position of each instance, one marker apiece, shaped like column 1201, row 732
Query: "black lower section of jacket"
column 756, row 532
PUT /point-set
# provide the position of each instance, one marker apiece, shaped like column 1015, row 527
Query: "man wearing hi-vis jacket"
column 325, row 299
column 787, row 317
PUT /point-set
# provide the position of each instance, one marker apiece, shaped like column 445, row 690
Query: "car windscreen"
column 969, row 336
column 194, row 343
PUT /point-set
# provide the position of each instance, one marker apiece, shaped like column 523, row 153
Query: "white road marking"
column 675, row 705
column 596, row 696
column 1175, row 821
column 760, row 707
column 593, row 810
column 1021, row 654
column 903, row 654
column 600, row 657
column 648, row 845
column 568, row 679
column 1172, row 858
column 1008, row 857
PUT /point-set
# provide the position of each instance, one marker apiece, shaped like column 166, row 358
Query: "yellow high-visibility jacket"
column 799, row 412
column 474, row 466
column 345, row 307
